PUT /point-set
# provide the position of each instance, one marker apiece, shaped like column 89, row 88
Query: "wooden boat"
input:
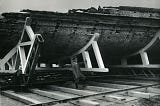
column 123, row 30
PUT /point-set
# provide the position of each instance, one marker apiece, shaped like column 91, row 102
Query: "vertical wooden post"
column 124, row 61
column 87, row 60
column 144, row 58
column 22, row 58
column 97, row 54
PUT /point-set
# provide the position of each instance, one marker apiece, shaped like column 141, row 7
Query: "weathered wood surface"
column 65, row 33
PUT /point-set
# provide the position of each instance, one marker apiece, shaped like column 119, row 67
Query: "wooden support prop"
column 94, row 38
column 30, row 32
column 25, row 54
column 144, row 58
column 87, row 60
column 71, row 90
column 97, row 54
column 20, row 98
column 143, row 52
column 22, row 57
column 141, row 94
column 123, row 61
column 85, row 54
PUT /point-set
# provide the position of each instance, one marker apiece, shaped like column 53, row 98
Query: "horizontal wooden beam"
column 151, row 66
column 7, row 72
column 18, row 97
column 70, row 69
column 95, row 69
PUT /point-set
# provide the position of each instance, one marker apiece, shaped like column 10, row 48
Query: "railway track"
column 100, row 92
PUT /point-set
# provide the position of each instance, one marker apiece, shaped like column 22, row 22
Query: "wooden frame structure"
column 86, row 57
column 143, row 53
column 24, row 55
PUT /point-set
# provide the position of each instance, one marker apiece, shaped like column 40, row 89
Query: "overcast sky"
column 64, row 5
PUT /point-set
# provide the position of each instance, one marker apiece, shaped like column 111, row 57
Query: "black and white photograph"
column 79, row 52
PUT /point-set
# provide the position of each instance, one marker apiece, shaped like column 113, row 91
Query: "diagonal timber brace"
column 25, row 54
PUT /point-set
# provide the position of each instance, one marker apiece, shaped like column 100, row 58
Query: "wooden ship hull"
column 123, row 31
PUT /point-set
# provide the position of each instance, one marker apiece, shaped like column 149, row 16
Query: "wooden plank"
column 153, row 90
column 109, row 85
column 85, row 102
column 63, row 104
column 62, row 96
column 100, row 89
column 127, row 82
column 71, row 90
column 51, row 94
column 19, row 97
column 86, row 59
column 115, row 98
column 84, row 92
column 144, row 58
column 141, row 94
column 98, row 54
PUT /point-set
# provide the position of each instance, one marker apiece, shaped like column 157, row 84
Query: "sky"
column 65, row 5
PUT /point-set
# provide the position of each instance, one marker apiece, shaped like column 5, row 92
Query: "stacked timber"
column 123, row 30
